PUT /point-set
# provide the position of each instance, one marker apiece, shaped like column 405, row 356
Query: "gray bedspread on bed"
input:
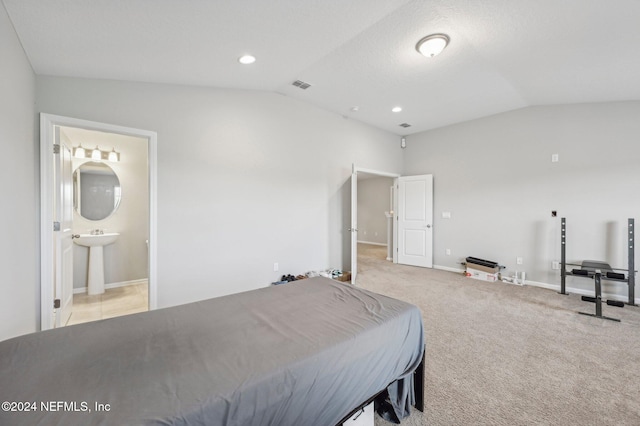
column 303, row 353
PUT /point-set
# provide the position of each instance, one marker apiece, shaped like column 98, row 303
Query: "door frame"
column 354, row 214
column 47, row 138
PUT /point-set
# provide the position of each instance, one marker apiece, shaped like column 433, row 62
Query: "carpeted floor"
column 500, row 354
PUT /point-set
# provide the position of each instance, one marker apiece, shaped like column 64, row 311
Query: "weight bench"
column 596, row 269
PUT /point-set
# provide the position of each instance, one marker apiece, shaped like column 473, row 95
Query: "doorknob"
column 429, row 226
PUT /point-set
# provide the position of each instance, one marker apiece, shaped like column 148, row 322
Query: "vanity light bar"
column 80, row 152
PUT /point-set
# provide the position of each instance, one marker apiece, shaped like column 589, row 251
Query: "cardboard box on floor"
column 346, row 276
column 478, row 274
column 482, row 268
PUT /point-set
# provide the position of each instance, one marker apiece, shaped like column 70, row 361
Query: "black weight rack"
column 599, row 271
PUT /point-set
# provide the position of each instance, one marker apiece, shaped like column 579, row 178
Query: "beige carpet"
column 500, row 354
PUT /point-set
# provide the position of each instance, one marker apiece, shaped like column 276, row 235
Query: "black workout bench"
column 598, row 271
column 595, row 269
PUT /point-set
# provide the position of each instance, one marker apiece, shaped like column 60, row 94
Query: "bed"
column 304, row 353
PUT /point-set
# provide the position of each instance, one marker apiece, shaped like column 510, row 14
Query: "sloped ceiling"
column 503, row 54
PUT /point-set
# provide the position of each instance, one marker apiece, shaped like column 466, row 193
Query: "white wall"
column 245, row 178
column 19, row 248
column 496, row 177
column 374, row 200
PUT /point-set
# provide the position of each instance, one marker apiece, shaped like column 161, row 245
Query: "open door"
column 354, row 224
column 63, row 230
column 414, row 220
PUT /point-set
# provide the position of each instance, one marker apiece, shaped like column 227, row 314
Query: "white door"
column 415, row 220
column 63, row 230
column 354, row 225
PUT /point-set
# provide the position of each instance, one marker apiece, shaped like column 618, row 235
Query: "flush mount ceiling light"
column 432, row 45
column 396, row 109
column 246, row 59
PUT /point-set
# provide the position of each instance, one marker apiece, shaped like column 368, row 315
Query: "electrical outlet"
column 275, row 267
column 555, row 158
column 555, row 265
column 519, row 260
column 448, row 252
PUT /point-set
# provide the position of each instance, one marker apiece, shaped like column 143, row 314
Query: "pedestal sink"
column 95, row 243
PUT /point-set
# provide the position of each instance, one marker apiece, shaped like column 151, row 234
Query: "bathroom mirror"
column 96, row 190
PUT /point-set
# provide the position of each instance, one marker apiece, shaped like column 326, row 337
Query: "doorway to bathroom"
column 98, row 189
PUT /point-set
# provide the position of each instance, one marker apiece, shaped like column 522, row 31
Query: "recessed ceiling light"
column 396, row 109
column 432, row 45
column 355, row 108
column 247, row 59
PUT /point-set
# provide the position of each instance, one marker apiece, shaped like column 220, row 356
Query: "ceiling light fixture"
column 432, row 45
column 396, row 109
column 247, row 59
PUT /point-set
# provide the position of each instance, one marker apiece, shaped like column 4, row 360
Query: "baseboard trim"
column 580, row 291
column 373, row 244
column 554, row 287
column 114, row 285
column 448, row 268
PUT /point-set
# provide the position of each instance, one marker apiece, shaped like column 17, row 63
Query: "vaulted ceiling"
column 358, row 56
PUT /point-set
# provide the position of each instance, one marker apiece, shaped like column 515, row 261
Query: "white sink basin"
column 89, row 240
column 95, row 274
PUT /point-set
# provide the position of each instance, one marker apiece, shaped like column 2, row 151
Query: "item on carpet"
column 598, row 271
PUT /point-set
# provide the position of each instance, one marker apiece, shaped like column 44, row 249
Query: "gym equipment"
column 599, row 271
column 595, row 269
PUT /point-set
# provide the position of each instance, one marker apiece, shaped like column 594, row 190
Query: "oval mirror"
column 96, row 190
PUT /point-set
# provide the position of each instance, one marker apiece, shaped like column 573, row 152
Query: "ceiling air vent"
column 301, row 84
column 404, row 125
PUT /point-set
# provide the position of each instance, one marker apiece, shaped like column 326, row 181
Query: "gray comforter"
column 303, row 353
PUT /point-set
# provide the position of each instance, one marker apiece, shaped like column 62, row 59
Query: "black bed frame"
column 418, row 388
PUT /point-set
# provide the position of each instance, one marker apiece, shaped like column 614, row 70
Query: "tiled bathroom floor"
column 114, row 302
